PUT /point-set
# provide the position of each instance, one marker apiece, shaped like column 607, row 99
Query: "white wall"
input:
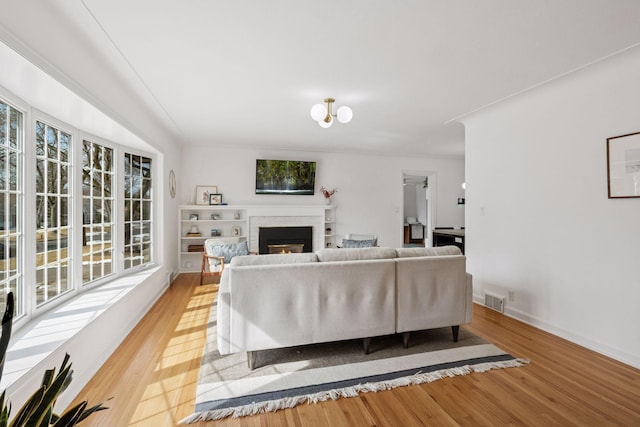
column 539, row 222
column 369, row 197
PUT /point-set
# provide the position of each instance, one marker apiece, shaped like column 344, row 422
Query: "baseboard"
column 575, row 338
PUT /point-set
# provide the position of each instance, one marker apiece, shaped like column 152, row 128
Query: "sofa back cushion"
column 274, row 259
column 355, row 254
column 437, row 251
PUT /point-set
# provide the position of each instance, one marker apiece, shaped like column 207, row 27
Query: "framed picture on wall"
column 623, row 166
column 203, row 192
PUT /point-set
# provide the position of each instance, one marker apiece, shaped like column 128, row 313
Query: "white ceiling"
column 246, row 73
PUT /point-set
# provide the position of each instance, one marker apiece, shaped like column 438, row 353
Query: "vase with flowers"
column 327, row 194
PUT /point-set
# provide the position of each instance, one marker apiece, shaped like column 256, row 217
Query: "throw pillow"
column 349, row 243
column 228, row 251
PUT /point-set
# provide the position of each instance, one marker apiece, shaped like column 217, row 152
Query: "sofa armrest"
column 432, row 292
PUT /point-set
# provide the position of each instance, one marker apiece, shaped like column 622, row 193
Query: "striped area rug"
column 307, row 374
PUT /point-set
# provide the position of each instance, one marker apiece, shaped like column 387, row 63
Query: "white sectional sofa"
column 274, row 301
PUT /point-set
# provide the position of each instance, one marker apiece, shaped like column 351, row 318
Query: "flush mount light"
column 323, row 114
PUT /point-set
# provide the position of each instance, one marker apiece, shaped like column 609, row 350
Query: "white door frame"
column 430, row 200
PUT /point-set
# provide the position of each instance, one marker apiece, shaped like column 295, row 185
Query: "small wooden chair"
column 213, row 264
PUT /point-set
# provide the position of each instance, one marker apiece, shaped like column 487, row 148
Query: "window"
column 137, row 210
column 11, row 137
column 74, row 210
column 53, row 204
column 97, row 211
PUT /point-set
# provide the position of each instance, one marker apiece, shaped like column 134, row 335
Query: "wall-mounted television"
column 285, row 177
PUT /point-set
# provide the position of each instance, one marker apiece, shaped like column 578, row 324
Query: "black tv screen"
column 285, row 177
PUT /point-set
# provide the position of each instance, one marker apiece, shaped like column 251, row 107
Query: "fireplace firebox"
column 285, row 239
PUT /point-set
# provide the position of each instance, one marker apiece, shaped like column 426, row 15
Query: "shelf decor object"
column 215, row 199
column 203, row 193
column 623, row 166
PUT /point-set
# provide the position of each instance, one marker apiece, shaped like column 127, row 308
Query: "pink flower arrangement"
column 328, row 193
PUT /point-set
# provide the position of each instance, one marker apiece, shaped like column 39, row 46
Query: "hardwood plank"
column 152, row 377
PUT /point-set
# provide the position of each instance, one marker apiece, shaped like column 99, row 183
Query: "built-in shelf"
column 241, row 220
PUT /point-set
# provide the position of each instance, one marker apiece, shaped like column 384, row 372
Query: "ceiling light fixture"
column 323, row 114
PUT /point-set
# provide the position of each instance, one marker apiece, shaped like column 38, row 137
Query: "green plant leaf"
column 44, row 410
column 72, row 416
column 29, row 406
column 7, row 325
column 92, row 410
column 4, row 410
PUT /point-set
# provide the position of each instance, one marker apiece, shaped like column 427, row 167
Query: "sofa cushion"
column 353, row 243
column 227, row 251
column 354, row 254
column 272, row 259
column 437, row 251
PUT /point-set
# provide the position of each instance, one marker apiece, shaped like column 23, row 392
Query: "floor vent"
column 494, row 302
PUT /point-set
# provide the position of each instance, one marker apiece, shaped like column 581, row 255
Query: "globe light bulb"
column 318, row 112
column 344, row 114
column 324, row 124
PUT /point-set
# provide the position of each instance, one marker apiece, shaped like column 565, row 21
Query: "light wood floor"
column 152, row 378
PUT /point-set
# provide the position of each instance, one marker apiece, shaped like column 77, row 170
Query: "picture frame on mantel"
column 215, row 199
column 623, row 166
column 203, row 193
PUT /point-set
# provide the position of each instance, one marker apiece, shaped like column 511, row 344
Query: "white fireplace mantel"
column 286, row 216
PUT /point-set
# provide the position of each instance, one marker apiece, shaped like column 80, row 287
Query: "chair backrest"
column 222, row 241
column 359, row 240
column 226, row 247
column 361, row 237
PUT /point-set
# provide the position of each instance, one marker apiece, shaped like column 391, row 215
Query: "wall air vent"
column 494, row 302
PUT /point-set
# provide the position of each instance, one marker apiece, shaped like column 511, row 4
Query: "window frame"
column 30, row 117
column 30, row 268
column 22, row 300
column 71, row 197
column 117, row 193
column 152, row 230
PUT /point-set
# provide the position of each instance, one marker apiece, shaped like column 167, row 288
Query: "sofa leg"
column 455, row 330
column 405, row 339
column 367, row 345
column 251, row 359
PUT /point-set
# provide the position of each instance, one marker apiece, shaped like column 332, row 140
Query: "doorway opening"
column 418, row 208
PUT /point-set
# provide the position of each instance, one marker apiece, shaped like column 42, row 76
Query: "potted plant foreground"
column 37, row 411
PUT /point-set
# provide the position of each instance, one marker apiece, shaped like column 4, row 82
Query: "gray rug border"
column 317, row 388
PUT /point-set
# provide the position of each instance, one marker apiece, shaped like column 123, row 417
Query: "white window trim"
column 30, row 243
column 25, row 109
